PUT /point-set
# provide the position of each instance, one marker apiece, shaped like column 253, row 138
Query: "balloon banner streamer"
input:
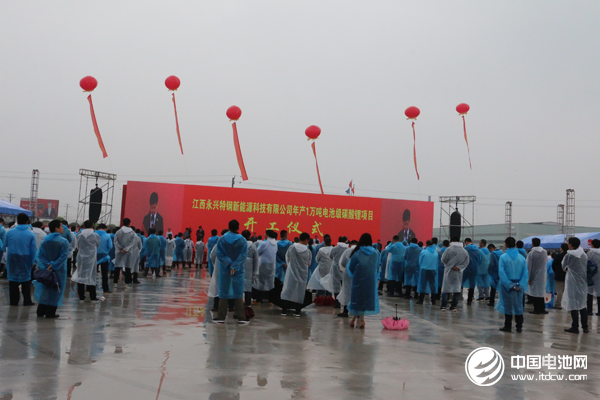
column 96, row 130
column 415, row 150
column 317, row 162
column 238, row 153
column 467, row 141
column 177, row 124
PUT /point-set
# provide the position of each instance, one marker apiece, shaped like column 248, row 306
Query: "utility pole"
column 67, row 213
column 10, row 196
column 233, row 181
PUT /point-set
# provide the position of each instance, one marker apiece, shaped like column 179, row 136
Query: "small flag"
column 353, row 186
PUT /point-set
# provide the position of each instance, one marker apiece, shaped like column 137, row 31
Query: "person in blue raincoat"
column 483, row 283
column 411, row 267
column 282, row 247
column 428, row 266
column 382, row 268
column 103, row 255
column 550, row 285
column 493, row 276
column 512, row 271
column 395, row 273
column 179, row 249
column 232, row 251
column 163, row 252
column 52, row 255
column 20, row 257
column 313, row 262
column 153, row 253
column 362, row 268
column 520, row 249
column 212, row 241
column 111, row 253
column 470, row 274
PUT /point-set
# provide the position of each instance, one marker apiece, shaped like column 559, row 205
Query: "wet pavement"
column 155, row 341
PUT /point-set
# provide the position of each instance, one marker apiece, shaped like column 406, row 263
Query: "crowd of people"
column 245, row 269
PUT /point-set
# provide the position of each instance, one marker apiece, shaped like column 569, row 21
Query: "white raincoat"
column 576, row 288
column 188, row 250
column 336, row 273
column 199, row 252
column 266, row 265
column 537, row 269
column 594, row 255
column 324, row 263
column 454, row 256
column 85, row 273
column 250, row 267
column 344, row 296
column 298, row 258
column 137, row 250
column 124, row 240
column 169, row 251
column 213, row 288
column 40, row 235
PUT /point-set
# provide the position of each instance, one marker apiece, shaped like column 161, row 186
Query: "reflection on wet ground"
column 152, row 342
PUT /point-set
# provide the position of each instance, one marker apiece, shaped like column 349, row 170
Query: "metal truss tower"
column 33, row 194
column 560, row 218
column 570, row 214
column 508, row 219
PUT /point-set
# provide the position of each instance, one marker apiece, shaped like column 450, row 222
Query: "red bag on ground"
column 249, row 313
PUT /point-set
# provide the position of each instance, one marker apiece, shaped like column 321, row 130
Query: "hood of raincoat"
column 300, row 247
column 86, row 232
column 578, row 252
column 368, row 250
column 283, row 243
column 458, row 244
column 413, row 245
column 485, row 250
column 432, row 248
column 498, row 253
column 538, row 249
column 471, row 246
column 513, row 253
column 597, row 251
column 327, row 249
column 341, row 244
column 101, row 233
column 21, row 227
column 405, row 243
column 126, row 229
column 272, row 241
column 231, row 237
column 37, row 230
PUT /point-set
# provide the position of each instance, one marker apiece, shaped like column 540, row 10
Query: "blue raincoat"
column 282, row 248
column 53, row 251
column 513, row 273
column 381, row 269
column 67, row 233
column 104, row 247
column 523, row 252
column 163, row 250
column 212, row 241
column 3, row 238
column 411, row 268
column 143, row 252
column 470, row 273
column 482, row 271
column 428, row 266
column 153, row 252
column 20, row 242
column 111, row 253
column 493, row 268
column 396, row 270
column 550, row 284
column 362, row 268
column 232, row 251
column 179, row 248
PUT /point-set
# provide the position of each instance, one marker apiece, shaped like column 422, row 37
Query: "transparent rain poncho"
column 454, row 256
column 324, row 263
column 537, row 271
column 266, row 265
column 250, row 267
column 344, row 296
column 362, row 268
column 125, row 239
column 576, row 287
column 87, row 243
column 298, row 259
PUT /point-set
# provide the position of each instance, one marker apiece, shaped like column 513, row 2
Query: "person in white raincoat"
column 250, row 269
column 137, row 255
column 85, row 275
column 199, row 248
column 213, row 287
column 324, row 263
column 537, row 261
column 344, row 296
column 576, row 285
column 298, row 259
column 455, row 260
column 336, row 274
column 188, row 251
column 169, row 251
column 594, row 290
column 266, row 266
column 124, row 251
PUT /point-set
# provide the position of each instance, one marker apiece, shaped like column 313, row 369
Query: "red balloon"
column 462, row 108
column 88, row 83
column 313, row 132
column 234, row 113
column 172, row 82
column 412, row 112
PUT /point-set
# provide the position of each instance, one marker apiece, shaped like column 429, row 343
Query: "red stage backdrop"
column 180, row 206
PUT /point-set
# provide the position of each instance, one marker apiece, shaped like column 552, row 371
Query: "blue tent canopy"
column 554, row 241
column 10, row 209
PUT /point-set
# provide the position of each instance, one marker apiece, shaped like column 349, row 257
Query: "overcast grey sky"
column 529, row 71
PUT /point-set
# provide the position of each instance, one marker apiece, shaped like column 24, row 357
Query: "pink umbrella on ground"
column 395, row 323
